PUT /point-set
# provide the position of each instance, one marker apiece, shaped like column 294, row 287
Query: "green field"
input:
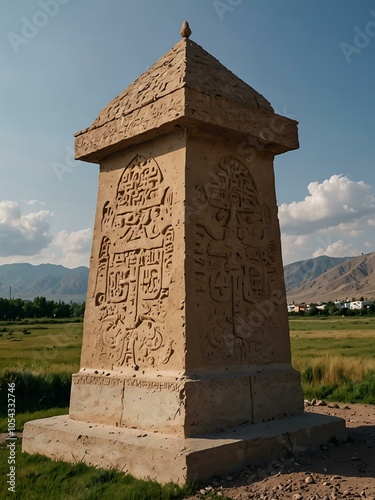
column 346, row 324
column 336, row 357
column 40, row 357
column 41, row 346
column 344, row 337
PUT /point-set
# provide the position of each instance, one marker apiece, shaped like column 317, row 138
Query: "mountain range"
column 311, row 280
column 46, row 280
column 331, row 278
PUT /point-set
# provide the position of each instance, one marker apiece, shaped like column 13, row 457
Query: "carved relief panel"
column 134, row 270
column 234, row 266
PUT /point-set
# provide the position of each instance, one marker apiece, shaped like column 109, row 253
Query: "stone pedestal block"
column 166, row 458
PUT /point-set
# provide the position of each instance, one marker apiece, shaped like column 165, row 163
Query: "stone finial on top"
column 185, row 30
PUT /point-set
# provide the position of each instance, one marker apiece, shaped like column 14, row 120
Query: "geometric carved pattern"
column 133, row 278
column 234, row 264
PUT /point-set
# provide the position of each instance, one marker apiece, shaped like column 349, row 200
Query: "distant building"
column 296, row 308
column 359, row 304
column 339, row 304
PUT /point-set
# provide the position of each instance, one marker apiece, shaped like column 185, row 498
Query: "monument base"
column 168, row 458
column 186, row 406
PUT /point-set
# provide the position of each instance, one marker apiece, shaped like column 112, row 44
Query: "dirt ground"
column 345, row 470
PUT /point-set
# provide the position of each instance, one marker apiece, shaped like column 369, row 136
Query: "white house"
column 359, row 304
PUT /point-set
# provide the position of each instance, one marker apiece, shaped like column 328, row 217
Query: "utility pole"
column 10, row 293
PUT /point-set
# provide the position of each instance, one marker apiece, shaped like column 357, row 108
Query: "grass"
column 305, row 345
column 298, row 323
column 40, row 346
column 326, row 350
column 347, row 380
column 22, row 418
column 35, row 390
column 40, row 357
column 38, row 478
column 336, row 358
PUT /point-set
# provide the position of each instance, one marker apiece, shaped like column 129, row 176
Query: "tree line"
column 40, row 307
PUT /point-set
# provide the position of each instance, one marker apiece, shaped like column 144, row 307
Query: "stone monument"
column 185, row 367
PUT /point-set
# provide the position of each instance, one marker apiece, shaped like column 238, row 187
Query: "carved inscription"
column 140, row 120
column 279, row 378
column 155, row 385
column 134, row 269
column 92, row 380
column 234, row 265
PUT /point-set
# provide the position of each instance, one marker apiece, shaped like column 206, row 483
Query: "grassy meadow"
column 40, row 345
column 40, row 357
column 336, row 357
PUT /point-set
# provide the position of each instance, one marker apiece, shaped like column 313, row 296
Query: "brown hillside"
column 353, row 278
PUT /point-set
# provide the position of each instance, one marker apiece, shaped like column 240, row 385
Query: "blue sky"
column 62, row 61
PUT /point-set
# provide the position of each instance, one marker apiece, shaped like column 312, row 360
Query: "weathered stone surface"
column 169, row 458
column 186, row 329
column 187, row 286
column 182, row 89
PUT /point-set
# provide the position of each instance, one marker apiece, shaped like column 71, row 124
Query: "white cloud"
column 337, row 249
column 74, row 247
column 301, row 247
column 23, row 235
column 294, row 247
column 26, row 237
column 335, row 201
column 336, row 219
column 36, row 202
column 354, row 228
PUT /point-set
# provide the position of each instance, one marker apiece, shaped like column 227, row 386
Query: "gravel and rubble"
column 335, row 471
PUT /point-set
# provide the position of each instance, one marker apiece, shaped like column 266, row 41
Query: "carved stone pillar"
column 185, row 353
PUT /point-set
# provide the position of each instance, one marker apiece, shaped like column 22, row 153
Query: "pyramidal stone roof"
column 187, row 82
column 187, row 64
